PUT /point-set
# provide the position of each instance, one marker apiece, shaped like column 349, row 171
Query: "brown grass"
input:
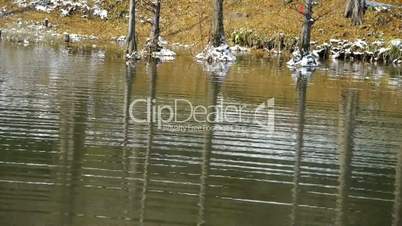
column 188, row 21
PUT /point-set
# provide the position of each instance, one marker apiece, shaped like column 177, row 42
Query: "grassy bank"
column 188, row 21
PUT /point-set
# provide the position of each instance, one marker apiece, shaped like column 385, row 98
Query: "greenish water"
column 70, row 155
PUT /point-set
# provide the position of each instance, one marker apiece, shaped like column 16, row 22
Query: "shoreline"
column 28, row 22
column 379, row 51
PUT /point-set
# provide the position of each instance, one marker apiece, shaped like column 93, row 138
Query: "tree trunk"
column 355, row 10
column 155, row 33
column 304, row 45
column 218, row 35
column 131, row 36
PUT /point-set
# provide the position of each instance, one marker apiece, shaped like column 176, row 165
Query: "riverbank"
column 187, row 23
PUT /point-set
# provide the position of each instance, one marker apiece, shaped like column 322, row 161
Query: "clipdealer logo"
column 182, row 113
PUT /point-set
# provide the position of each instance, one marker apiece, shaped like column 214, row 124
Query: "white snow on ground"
column 217, row 60
column 162, row 41
column 239, row 50
column 216, row 54
column 396, row 43
column 303, row 65
column 133, row 56
column 378, row 43
column 383, row 50
column 344, row 49
column 164, row 54
column 397, row 62
column 121, row 38
column 309, row 60
column 360, row 44
column 65, row 7
column 102, row 13
column 78, row 38
column 378, row 6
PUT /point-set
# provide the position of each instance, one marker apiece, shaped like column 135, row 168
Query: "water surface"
column 70, row 155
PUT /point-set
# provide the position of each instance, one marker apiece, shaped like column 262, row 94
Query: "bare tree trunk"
column 218, row 35
column 355, row 10
column 155, row 33
column 306, row 32
column 131, row 36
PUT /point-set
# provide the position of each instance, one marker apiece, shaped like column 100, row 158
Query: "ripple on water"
column 70, row 155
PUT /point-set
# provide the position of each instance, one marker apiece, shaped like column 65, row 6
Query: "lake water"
column 71, row 153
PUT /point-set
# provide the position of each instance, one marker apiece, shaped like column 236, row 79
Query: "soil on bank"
column 188, row 21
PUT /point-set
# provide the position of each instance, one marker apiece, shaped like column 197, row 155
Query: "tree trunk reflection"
column 347, row 115
column 301, row 108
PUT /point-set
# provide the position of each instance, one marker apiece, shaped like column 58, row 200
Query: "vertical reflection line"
column 347, row 115
column 130, row 74
column 301, row 108
column 66, row 156
column 206, row 152
column 72, row 145
column 152, row 70
column 397, row 215
column 129, row 165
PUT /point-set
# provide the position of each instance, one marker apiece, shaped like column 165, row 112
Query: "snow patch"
column 396, row 43
column 383, row 50
column 309, row 60
column 133, row 56
column 216, row 54
column 66, row 7
column 303, row 65
column 102, row 13
column 397, row 62
column 360, row 44
column 239, row 50
column 164, row 55
column 121, row 38
column 78, row 38
column 378, row 43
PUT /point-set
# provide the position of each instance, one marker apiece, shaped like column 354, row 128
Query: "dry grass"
column 188, row 21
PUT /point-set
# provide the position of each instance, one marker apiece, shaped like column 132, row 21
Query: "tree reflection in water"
column 397, row 213
column 129, row 155
column 73, row 115
column 153, row 74
column 214, row 88
column 348, row 108
column 302, row 83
